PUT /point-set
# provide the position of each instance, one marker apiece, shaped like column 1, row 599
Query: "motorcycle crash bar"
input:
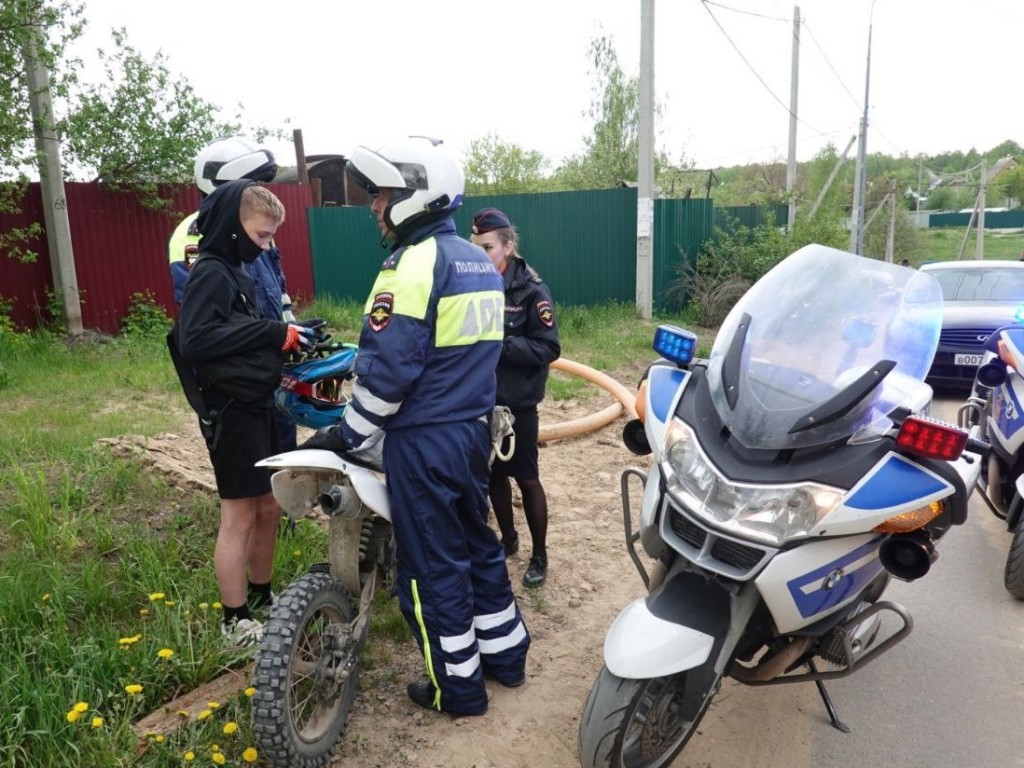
column 640, row 645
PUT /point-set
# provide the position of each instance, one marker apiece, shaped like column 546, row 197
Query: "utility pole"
column 860, row 185
column 645, row 166
column 51, row 175
column 979, row 242
column 794, row 79
column 890, row 238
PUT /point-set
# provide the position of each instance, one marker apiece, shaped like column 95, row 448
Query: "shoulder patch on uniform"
column 546, row 313
column 380, row 311
column 191, row 254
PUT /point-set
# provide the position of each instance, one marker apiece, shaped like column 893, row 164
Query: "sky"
column 944, row 74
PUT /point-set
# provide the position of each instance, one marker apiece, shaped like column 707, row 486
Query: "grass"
column 103, row 564
column 944, row 245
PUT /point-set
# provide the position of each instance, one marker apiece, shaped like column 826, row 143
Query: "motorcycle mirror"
column 635, row 438
column 992, row 374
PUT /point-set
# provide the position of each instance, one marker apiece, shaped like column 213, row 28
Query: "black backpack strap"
column 209, row 421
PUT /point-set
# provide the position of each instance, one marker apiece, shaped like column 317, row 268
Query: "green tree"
column 494, row 167
column 141, row 125
column 53, row 24
column 1010, row 185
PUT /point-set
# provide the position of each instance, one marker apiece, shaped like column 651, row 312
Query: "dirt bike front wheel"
column 639, row 723
column 306, row 673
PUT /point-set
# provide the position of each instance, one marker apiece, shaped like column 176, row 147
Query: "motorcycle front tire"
column 638, row 723
column 306, row 673
column 1013, row 576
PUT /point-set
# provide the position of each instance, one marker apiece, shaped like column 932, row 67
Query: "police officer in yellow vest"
column 428, row 350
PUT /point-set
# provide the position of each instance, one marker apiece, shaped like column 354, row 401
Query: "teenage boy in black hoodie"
column 237, row 357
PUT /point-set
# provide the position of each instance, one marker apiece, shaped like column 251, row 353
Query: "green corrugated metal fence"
column 993, row 220
column 582, row 243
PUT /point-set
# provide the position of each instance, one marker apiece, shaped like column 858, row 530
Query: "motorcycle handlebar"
column 974, row 445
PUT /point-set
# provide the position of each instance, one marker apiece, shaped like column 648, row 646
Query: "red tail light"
column 930, row 439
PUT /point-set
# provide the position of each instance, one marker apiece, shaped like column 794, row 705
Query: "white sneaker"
column 243, row 633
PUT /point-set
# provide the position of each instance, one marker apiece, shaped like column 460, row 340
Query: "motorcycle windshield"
column 825, row 344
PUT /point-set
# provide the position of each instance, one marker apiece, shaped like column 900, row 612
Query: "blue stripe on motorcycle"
column 843, row 585
column 663, row 383
column 894, row 483
column 1009, row 418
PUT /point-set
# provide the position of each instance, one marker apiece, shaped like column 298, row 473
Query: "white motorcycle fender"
column 298, row 481
column 641, row 646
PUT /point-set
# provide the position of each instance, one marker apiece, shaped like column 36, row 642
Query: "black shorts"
column 523, row 464
column 247, row 434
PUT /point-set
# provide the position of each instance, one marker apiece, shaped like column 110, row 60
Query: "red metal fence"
column 121, row 249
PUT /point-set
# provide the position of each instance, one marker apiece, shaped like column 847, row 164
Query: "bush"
column 145, row 318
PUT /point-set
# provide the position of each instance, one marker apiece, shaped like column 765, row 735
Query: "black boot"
column 511, row 546
column 423, row 693
column 537, row 572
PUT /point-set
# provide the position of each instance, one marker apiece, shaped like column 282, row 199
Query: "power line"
column 817, row 45
column 746, row 13
column 750, row 66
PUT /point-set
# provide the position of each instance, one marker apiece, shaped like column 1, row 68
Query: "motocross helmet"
column 311, row 392
column 232, row 158
column 428, row 182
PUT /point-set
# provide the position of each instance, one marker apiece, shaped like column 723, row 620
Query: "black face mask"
column 247, row 250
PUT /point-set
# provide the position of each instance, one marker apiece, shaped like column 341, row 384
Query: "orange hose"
column 626, row 402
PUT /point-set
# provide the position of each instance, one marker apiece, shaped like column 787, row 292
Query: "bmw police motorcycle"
column 794, row 472
column 997, row 406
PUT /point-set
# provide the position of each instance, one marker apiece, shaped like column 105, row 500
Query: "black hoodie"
column 236, row 354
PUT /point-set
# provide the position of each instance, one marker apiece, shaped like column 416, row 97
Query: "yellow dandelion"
column 73, row 715
column 154, row 596
column 97, row 722
column 159, row 738
column 204, row 606
column 183, row 713
column 165, row 653
column 230, row 728
column 82, row 706
column 133, row 688
column 217, row 606
column 218, row 758
column 204, row 714
column 213, row 704
column 296, row 553
column 250, row 754
column 215, row 747
column 170, row 603
column 46, row 597
column 250, row 691
column 190, row 756
column 126, row 641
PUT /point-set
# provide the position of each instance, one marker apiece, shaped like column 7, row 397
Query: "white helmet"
column 230, row 159
column 427, row 180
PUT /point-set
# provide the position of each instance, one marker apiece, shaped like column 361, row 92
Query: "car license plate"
column 974, row 360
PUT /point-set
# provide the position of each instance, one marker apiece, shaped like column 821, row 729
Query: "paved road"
column 950, row 696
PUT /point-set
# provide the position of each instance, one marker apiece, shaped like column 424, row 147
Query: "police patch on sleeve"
column 546, row 313
column 380, row 311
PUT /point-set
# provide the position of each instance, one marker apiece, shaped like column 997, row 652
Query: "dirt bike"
column 307, row 666
column 995, row 405
column 794, row 473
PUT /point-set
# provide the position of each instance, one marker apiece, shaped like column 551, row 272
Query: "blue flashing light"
column 675, row 344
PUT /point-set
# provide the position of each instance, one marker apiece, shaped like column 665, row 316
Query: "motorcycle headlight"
column 772, row 514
